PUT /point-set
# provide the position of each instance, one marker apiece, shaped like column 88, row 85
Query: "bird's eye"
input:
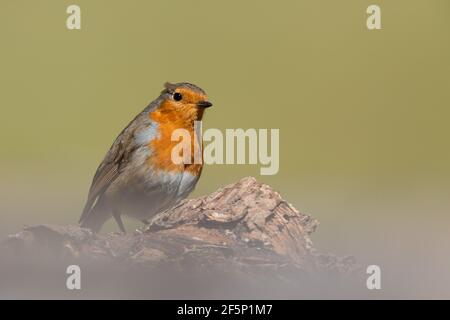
column 177, row 96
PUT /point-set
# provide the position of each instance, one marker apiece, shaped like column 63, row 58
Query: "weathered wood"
column 243, row 229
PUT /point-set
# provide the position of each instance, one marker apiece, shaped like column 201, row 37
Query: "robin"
column 137, row 177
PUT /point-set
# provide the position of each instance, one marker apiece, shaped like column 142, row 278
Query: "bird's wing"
column 111, row 166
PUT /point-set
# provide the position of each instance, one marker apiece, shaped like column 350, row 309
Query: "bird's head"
column 183, row 100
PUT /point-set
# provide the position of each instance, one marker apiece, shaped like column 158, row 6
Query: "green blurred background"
column 363, row 115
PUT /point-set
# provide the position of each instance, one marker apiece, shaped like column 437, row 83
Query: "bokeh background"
column 363, row 115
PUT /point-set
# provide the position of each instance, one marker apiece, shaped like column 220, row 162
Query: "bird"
column 137, row 176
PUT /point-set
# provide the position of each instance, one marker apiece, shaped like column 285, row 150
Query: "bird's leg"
column 118, row 219
column 142, row 229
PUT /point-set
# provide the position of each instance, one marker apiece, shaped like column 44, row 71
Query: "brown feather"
column 111, row 165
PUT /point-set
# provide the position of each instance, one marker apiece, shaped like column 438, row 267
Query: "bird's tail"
column 95, row 218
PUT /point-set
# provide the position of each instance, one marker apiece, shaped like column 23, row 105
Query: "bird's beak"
column 204, row 104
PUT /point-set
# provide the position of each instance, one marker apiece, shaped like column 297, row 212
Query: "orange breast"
column 162, row 146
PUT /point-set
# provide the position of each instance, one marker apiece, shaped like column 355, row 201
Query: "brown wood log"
column 245, row 230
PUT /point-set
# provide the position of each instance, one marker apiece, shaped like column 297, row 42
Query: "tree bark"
column 243, row 229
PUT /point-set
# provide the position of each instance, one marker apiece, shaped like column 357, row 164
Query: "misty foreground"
column 242, row 241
